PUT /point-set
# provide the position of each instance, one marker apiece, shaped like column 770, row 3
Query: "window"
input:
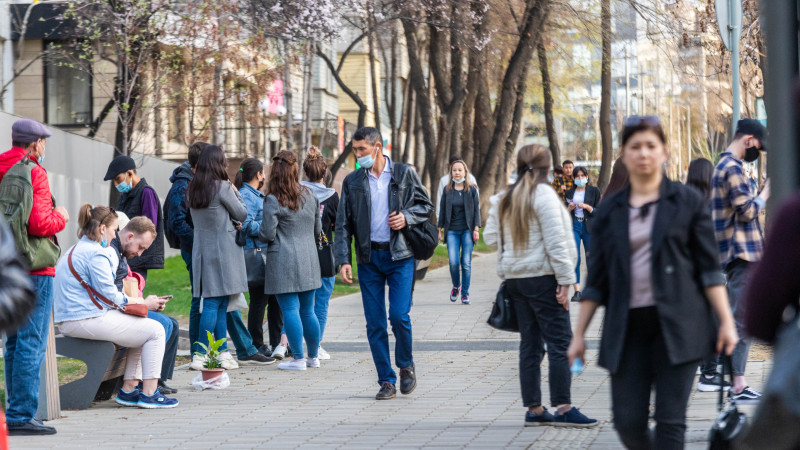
column 68, row 90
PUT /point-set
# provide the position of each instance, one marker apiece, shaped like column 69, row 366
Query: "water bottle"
column 577, row 366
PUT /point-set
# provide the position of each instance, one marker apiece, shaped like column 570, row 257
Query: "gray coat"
column 292, row 259
column 217, row 262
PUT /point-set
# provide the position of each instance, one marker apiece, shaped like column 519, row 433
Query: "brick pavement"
column 468, row 393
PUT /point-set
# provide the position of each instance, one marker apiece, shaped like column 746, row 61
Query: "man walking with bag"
column 379, row 201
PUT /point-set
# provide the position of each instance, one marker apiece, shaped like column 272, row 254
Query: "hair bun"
column 313, row 153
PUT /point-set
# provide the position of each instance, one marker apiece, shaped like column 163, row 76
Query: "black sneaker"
column 576, row 297
column 387, row 392
column 746, row 397
column 712, row 384
column 573, row 418
column 265, row 350
column 32, row 428
column 408, row 380
column 166, row 390
column 537, row 420
column 256, row 359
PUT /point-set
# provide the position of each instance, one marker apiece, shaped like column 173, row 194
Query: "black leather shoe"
column 577, row 296
column 166, row 390
column 32, row 428
column 408, row 380
column 387, row 392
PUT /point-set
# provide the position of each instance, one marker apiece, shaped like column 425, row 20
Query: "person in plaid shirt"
column 735, row 212
column 564, row 182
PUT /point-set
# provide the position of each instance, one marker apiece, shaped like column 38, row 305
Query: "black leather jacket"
column 406, row 194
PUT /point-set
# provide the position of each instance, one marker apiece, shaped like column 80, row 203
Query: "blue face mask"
column 40, row 159
column 124, row 187
column 581, row 182
column 458, row 180
column 367, row 161
column 104, row 243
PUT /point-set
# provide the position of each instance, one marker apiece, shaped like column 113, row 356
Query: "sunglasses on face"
column 635, row 121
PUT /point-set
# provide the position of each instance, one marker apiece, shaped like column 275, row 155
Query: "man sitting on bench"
column 133, row 238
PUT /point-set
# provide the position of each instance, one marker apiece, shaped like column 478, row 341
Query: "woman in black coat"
column 656, row 269
column 581, row 201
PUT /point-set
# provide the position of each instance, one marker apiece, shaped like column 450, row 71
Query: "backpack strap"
column 93, row 294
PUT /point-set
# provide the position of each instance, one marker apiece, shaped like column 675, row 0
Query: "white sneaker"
column 198, row 362
column 294, row 365
column 227, row 362
column 322, row 354
column 280, row 352
column 312, row 363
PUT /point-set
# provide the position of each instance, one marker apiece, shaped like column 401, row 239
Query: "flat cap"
column 27, row 131
column 118, row 165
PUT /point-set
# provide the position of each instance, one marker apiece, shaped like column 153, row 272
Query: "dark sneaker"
column 387, row 392
column 746, row 397
column 573, row 418
column 32, row 428
column 454, row 293
column 576, row 297
column 465, row 299
column 712, row 384
column 128, row 398
column 166, row 389
column 157, row 400
column 265, row 350
column 537, row 420
column 256, row 359
column 408, row 380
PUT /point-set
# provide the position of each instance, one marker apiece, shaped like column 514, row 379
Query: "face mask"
column 124, row 187
column 367, row 161
column 458, row 180
column 581, row 182
column 751, row 154
column 104, row 243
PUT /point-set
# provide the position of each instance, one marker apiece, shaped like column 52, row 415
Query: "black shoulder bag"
column 730, row 423
column 503, row 317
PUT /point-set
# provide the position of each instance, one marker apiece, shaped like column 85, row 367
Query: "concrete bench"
column 105, row 366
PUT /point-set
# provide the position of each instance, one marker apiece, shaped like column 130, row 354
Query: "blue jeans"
column 213, row 319
column 300, row 322
column 171, row 349
column 459, row 249
column 373, row 278
column 241, row 338
column 581, row 233
column 322, row 297
column 24, row 354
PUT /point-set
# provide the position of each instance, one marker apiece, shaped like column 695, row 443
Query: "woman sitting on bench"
column 88, row 305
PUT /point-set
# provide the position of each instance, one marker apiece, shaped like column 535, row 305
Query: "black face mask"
column 751, row 154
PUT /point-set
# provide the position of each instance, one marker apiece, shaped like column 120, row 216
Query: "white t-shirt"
column 579, row 197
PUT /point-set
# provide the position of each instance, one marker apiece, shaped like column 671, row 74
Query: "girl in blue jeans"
column 460, row 220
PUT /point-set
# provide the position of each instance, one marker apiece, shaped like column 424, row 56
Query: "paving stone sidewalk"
column 468, row 393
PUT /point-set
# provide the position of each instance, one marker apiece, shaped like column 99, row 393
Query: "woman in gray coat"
column 217, row 261
column 291, row 225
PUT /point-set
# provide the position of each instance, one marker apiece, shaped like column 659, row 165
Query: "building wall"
column 356, row 75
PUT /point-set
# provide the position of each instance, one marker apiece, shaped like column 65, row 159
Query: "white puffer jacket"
column 551, row 244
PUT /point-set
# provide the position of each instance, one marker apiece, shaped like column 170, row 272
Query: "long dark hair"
column 248, row 170
column 211, row 167
column 699, row 176
column 619, row 178
column 283, row 182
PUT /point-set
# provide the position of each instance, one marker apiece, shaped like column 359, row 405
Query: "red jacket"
column 43, row 220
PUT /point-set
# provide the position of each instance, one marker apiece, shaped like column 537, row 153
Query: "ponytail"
column 248, row 170
column 90, row 218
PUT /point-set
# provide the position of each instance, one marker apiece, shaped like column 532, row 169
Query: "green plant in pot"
column 211, row 368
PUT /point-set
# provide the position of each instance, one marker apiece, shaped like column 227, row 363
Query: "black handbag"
column 255, row 260
column 241, row 238
column 730, row 423
column 327, row 266
column 422, row 238
column 503, row 317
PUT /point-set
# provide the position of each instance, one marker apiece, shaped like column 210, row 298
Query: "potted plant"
column 211, row 368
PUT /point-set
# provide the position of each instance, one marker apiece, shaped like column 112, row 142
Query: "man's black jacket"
column 406, row 194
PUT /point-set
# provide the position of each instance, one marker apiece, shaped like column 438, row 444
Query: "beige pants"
column 143, row 337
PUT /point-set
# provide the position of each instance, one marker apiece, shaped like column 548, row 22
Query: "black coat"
column 472, row 209
column 684, row 262
column 592, row 199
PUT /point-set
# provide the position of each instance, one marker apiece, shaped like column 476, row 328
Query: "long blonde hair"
column 516, row 205
column 452, row 184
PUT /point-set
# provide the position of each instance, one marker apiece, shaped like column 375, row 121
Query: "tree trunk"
column 605, row 96
column 511, row 144
column 547, row 93
column 376, row 105
column 484, row 122
column 392, row 98
column 410, row 122
column 287, row 96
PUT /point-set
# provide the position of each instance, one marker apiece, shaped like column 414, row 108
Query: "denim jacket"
column 254, row 200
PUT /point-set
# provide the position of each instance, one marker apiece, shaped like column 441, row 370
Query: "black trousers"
column 645, row 363
column 541, row 319
column 259, row 303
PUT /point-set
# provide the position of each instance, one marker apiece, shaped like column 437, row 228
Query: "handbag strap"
column 93, row 294
column 726, row 364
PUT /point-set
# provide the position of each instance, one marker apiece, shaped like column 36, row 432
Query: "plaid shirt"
column 735, row 212
column 567, row 182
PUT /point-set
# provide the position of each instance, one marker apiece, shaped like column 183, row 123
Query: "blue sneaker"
column 157, row 400
column 574, row 418
column 537, row 420
column 128, row 398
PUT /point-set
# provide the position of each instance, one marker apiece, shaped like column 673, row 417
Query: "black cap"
column 118, row 165
column 754, row 127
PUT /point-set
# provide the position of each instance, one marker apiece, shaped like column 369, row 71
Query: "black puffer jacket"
column 406, row 194
column 17, row 295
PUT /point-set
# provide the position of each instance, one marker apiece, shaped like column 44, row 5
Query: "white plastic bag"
column 220, row 382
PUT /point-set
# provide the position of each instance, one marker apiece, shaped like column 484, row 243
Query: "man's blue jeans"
column 373, row 278
column 24, row 354
column 322, row 298
column 459, row 250
column 171, row 349
column 239, row 335
column 581, row 232
column 300, row 321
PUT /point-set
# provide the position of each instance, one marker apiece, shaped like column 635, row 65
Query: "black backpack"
column 423, row 237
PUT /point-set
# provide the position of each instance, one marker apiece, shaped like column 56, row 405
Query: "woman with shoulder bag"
column 82, row 312
column 581, row 201
column 655, row 267
column 536, row 258
column 290, row 226
column 249, row 181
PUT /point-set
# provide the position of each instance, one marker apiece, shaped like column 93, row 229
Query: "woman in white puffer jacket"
column 532, row 231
